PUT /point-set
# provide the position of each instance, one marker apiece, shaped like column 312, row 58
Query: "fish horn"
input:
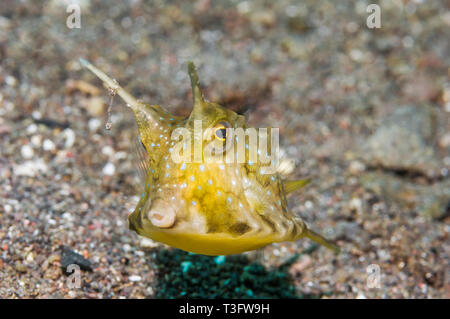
column 143, row 112
column 199, row 101
column 111, row 84
column 195, row 83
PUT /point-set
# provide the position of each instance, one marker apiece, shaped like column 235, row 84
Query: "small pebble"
column 69, row 136
column 30, row 168
column 135, row 278
column 27, row 151
column 7, row 208
column 148, row 243
column 108, row 150
column 109, row 169
column 94, row 124
column 32, row 128
column 48, row 145
column 20, row 267
column 96, row 106
column 36, row 140
column 219, row 260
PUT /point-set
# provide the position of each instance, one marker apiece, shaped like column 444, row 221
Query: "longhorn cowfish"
column 210, row 207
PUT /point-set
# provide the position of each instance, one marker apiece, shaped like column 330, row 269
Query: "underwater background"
column 364, row 112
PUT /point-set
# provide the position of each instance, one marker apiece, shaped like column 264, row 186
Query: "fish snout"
column 162, row 214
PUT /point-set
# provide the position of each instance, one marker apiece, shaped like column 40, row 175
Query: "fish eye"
column 220, row 131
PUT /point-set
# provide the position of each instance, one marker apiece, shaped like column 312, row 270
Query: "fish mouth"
column 161, row 215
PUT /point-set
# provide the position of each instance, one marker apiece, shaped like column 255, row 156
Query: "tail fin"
column 321, row 240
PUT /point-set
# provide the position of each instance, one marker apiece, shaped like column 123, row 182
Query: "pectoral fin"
column 290, row 186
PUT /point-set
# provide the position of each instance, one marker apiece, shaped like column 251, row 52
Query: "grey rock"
column 69, row 257
column 351, row 232
column 436, row 206
column 432, row 201
column 404, row 142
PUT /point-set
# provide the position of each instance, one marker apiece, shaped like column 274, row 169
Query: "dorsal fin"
column 290, row 186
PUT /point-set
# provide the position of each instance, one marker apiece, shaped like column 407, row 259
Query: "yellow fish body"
column 207, row 207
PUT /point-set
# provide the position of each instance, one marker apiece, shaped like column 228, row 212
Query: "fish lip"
column 162, row 215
